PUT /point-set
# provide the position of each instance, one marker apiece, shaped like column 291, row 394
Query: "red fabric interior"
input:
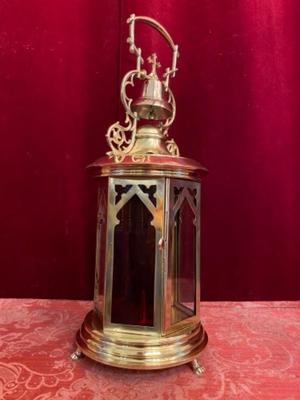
column 238, row 100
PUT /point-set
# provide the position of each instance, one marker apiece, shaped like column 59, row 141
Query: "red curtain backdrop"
column 238, row 98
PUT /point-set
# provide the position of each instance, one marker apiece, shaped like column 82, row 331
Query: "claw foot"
column 197, row 368
column 76, row 355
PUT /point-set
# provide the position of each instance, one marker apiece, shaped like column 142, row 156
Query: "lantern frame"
column 146, row 165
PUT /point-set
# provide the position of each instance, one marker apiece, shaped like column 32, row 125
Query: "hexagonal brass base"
column 136, row 351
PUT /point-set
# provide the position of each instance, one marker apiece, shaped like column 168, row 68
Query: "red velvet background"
column 238, row 98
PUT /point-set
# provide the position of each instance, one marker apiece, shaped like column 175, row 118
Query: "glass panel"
column 133, row 266
column 184, row 290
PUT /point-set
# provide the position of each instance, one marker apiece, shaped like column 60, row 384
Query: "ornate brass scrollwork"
column 122, row 138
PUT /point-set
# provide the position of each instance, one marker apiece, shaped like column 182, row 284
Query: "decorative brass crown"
column 157, row 103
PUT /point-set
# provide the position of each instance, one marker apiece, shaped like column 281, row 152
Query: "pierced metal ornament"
column 157, row 103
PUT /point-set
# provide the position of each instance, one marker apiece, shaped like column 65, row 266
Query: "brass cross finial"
column 155, row 63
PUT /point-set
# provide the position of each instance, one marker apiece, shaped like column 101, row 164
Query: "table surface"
column 253, row 353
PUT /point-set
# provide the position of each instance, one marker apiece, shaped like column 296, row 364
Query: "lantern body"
column 147, row 282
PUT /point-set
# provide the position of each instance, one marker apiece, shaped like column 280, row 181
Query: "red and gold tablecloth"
column 253, row 353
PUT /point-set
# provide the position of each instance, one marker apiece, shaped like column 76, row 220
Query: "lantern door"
column 133, row 280
column 182, row 284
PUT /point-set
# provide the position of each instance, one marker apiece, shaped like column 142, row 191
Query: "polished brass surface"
column 77, row 354
column 148, row 165
column 138, row 351
column 156, row 103
column 101, row 228
column 145, row 166
column 149, row 140
column 197, row 367
column 166, row 343
column 169, row 72
column 152, row 105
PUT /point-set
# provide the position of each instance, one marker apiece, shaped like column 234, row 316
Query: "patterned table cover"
column 253, row 353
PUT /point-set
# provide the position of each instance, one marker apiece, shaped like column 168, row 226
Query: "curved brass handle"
column 122, row 138
column 138, row 52
column 156, row 25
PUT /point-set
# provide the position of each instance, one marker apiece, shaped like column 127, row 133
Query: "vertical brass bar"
column 167, row 290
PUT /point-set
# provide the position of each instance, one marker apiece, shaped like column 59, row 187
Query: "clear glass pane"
column 184, row 283
column 133, row 266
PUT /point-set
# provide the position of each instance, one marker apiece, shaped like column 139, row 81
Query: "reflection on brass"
column 145, row 186
column 139, row 350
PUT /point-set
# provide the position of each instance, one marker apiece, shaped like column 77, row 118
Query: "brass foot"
column 197, row 368
column 76, row 355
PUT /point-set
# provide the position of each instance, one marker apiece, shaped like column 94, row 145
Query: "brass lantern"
column 147, row 285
